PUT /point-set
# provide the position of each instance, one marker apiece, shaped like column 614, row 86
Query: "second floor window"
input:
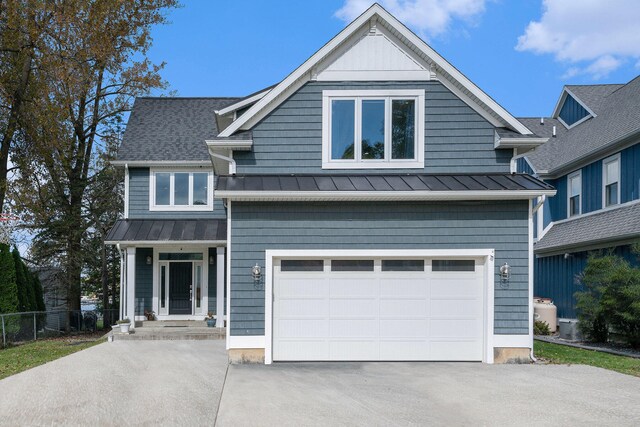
column 373, row 129
column 181, row 190
column 611, row 181
column 575, row 192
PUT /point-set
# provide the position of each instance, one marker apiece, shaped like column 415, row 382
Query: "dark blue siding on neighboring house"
column 556, row 277
column 498, row 225
column 524, row 167
column 592, row 187
column 572, row 111
column 630, row 174
column 457, row 139
column 139, row 201
column 558, row 203
column 144, row 281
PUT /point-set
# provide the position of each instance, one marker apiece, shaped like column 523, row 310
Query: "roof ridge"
column 188, row 97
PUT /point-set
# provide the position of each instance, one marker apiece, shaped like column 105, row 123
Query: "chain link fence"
column 34, row 325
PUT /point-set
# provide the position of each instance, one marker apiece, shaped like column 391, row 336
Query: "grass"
column 562, row 354
column 26, row 356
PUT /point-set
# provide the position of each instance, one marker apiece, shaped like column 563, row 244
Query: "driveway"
column 182, row 382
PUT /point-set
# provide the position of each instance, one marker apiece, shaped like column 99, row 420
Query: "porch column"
column 131, row 286
column 220, row 287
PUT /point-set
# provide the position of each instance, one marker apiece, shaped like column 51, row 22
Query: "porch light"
column 211, row 260
column 505, row 272
column 149, row 260
column 256, row 273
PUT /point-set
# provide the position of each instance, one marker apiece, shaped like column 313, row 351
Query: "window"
column 301, row 265
column 373, row 129
column 611, row 181
column 402, row 265
column 180, row 190
column 352, row 265
column 453, row 265
column 575, row 192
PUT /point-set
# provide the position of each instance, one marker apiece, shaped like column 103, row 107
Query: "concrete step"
column 171, row 324
column 169, row 333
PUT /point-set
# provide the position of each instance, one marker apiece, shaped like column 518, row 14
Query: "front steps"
column 169, row 330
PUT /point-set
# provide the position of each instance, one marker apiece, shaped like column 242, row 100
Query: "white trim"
column 512, row 341
column 161, row 163
column 519, row 142
column 358, row 96
column 487, row 254
column 126, row 191
column 605, row 162
column 163, row 243
column 574, row 175
column 228, row 328
column 568, row 126
column 250, row 341
column 530, row 273
column 243, row 102
column 373, row 75
column 560, row 103
column 304, row 73
column 131, row 286
column 384, row 195
column 599, row 211
column 234, row 144
column 171, row 207
column 220, row 285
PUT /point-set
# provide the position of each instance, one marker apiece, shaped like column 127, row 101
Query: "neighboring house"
column 364, row 209
column 54, row 294
column 594, row 163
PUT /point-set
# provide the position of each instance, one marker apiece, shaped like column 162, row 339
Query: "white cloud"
column 592, row 36
column 430, row 18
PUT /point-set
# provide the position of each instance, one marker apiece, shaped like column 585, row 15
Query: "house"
column 364, row 209
column 592, row 158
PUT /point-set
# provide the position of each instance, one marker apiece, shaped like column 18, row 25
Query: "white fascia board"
column 243, row 103
column 238, row 145
column 519, row 142
column 160, row 163
column 383, row 195
column 304, row 71
column 125, row 243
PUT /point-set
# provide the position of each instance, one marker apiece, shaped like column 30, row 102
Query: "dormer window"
column 611, row 181
column 180, row 190
column 373, row 129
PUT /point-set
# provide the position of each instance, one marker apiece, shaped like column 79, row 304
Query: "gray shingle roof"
column 593, row 95
column 618, row 118
column 171, row 129
column 154, row 230
column 604, row 226
column 545, row 130
column 387, row 182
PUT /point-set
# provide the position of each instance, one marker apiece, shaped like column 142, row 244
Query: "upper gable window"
column 572, row 112
column 180, row 190
column 373, row 129
column 611, row 181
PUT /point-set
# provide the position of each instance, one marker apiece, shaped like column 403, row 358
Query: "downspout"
column 232, row 163
column 122, row 280
column 535, row 209
column 126, row 191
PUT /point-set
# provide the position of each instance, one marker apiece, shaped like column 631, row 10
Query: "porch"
column 170, row 330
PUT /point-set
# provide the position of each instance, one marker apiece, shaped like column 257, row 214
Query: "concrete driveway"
column 183, row 382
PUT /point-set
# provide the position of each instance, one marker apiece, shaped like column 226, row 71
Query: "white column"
column 131, row 285
column 220, row 286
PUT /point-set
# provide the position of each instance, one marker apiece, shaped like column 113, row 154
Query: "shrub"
column 541, row 328
column 611, row 299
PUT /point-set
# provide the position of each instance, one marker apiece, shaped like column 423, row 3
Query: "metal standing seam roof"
column 620, row 223
column 380, row 183
column 163, row 230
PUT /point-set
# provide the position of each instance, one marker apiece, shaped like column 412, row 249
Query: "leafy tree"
column 92, row 64
column 23, row 300
column 8, row 286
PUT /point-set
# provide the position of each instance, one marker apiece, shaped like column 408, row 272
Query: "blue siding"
column 524, row 167
column 144, row 281
column 555, row 278
column 572, row 111
column 558, row 203
column 457, row 139
column 630, row 174
column 499, row 225
column 139, row 200
column 592, row 187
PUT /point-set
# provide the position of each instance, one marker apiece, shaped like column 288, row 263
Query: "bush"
column 611, row 300
column 541, row 328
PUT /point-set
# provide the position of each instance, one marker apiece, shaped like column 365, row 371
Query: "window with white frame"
column 611, row 181
column 177, row 190
column 373, row 129
column 575, row 193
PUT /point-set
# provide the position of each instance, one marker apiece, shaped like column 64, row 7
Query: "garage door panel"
column 454, row 328
column 352, row 287
column 404, row 350
column 404, row 307
column 354, row 328
column 354, row 350
column 301, row 350
column 456, row 307
column 354, row 307
column 404, row 328
column 456, row 350
column 407, row 287
column 301, row 287
column 302, row 328
column 303, row 307
column 455, row 288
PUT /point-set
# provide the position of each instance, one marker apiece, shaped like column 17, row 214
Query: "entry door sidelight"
column 180, row 287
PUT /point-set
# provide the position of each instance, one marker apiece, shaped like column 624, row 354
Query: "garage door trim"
column 488, row 293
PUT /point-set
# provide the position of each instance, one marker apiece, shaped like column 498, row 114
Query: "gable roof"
column 170, row 129
column 617, row 122
column 449, row 75
column 593, row 95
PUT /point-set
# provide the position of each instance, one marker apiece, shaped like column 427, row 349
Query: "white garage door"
column 378, row 309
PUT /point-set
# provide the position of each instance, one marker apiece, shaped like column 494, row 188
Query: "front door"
column 180, row 291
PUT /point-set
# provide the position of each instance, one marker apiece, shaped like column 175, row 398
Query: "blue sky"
column 520, row 52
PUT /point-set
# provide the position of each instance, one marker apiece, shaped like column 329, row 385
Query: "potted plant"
column 125, row 324
column 211, row 322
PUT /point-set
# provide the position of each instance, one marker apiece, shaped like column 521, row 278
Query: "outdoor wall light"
column 211, row 260
column 505, row 272
column 149, row 260
column 256, row 273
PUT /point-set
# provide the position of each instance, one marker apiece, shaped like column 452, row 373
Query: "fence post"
column 4, row 337
column 35, row 328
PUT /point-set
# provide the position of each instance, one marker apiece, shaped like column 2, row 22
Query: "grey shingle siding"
column 139, row 200
column 457, row 139
column 499, row 225
column 144, row 281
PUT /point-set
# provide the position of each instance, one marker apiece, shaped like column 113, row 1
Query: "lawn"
column 26, row 356
column 562, row 354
